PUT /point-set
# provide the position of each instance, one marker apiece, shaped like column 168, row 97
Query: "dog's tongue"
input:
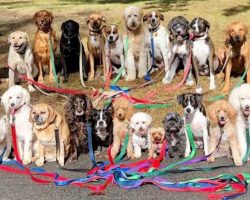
column 247, row 112
column 222, row 122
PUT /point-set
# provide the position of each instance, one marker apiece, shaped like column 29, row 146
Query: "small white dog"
column 16, row 99
column 140, row 123
column 239, row 98
column 20, row 58
column 5, row 138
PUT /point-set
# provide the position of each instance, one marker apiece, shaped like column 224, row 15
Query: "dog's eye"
column 143, row 122
column 115, row 32
column 33, row 113
column 156, row 16
column 13, row 38
column 136, row 15
column 137, row 123
column 242, row 98
column 129, row 15
column 18, row 97
column 10, row 97
column 150, row 15
column 42, row 113
column 20, row 37
column 108, row 32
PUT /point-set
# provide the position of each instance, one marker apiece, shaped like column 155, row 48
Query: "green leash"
column 121, row 154
column 248, row 144
column 141, row 106
column 52, row 60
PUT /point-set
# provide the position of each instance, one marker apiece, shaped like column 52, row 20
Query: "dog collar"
column 152, row 30
column 198, row 36
column 13, row 112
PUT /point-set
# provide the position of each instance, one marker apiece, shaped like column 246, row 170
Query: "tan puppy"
column 41, row 49
column 238, row 47
column 96, row 42
column 45, row 120
column 157, row 136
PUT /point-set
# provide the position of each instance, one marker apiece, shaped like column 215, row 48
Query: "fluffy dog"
column 156, row 137
column 45, row 120
column 96, row 43
column 139, row 124
column 114, row 48
column 203, row 49
column 41, row 49
column 70, row 50
column 20, row 58
column 16, row 102
column 175, row 134
column 123, row 110
column 239, row 98
column 134, row 37
column 222, row 119
column 238, row 47
column 77, row 112
column 5, row 138
column 195, row 115
column 181, row 47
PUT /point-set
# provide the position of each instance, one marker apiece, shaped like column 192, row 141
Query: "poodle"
column 156, row 137
column 222, row 117
column 77, row 112
column 239, row 98
column 123, row 110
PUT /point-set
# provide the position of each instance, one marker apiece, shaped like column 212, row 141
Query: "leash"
column 80, row 63
column 52, row 61
column 107, row 83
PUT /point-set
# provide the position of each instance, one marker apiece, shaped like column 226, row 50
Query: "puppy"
column 238, row 47
column 70, row 50
column 181, row 47
column 16, row 101
column 175, row 134
column 134, row 49
column 139, row 124
column 78, row 112
column 41, row 49
column 5, row 138
column 96, row 43
column 20, row 58
column 156, row 34
column 222, row 119
column 195, row 115
column 156, row 137
column 113, row 49
column 123, row 110
column 203, row 49
column 45, row 120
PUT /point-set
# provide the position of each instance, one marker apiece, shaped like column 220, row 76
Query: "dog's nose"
column 247, row 107
column 111, row 37
column 36, row 117
column 12, row 104
column 188, row 110
column 178, row 31
column 101, row 123
column 95, row 23
column 133, row 23
column 237, row 37
column 153, row 20
column 222, row 117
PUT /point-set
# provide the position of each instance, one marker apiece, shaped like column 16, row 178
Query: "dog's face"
column 237, row 32
column 43, row 20
column 70, row 29
column 199, row 26
column 133, row 16
column 244, row 98
column 153, row 19
column 18, row 40
column 178, row 28
column 157, row 135
column 95, row 22
column 111, row 33
column 190, row 102
column 173, row 122
column 79, row 106
column 140, row 123
column 122, row 109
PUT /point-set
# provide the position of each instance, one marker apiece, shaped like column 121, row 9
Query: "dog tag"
column 155, row 34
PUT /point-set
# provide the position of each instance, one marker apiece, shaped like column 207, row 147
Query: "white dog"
column 20, row 58
column 239, row 98
column 134, row 37
column 140, row 123
column 16, row 99
column 5, row 138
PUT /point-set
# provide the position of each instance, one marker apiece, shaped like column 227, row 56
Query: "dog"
column 181, row 47
column 78, row 110
column 45, row 121
column 43, row 37
column 123, row 111
column 70, row 50
column 156, row 34
column 16, row 102
column 203, row 50
column 133, row 43
column 114, row 49
column 222, row 117
column 195, row 115
column 96, row 43
column 20, row 58
column 238, row 47
column 239, row 98
column 139, row 124
column 175, row 134
column 5, row 138
column 156, row 137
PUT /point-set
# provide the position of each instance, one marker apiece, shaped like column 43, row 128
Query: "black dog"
column 175, row 134
column 70, row 50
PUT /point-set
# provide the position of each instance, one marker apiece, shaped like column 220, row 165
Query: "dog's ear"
column 4, row 101
column 180, row 98
column 62, row 26
column 9, row 38
column 145, row 18
column 30, row 116
column 246, row 29
column 51, row 17
column 87, row 20
column 211, row 111
column 103, row 19
column 149, row 119
column 52, row 115
column 228, row 34
column 161, row 16
column 110, row 109
column 231, row 112
column 35, row 18
column 26, row 37
column 207, row 24
column 199, row 98
column 88, row 108
column 26, row 96
column 77, row 27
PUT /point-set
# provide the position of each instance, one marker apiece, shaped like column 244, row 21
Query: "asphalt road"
column 19, row 187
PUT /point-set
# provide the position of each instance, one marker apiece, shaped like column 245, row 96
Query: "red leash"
column 107, row 83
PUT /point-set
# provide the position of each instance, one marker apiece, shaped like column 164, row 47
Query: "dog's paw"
column 212, row 87
column 6, row 159
column 34, row 158
column 225, row 90
column 31, row 88
column 26, row 161
column 91, row 77
column 39, row 162
column 61, row 162
column 211, row 159
column 40, row 80
column 97, row 153
column 238, row 162
column 129, row 78
column 189, row 82
column 166, row 81
column 198, row 90
column 73, row 159
column 137, row 155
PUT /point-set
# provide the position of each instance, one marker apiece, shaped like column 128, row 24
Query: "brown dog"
column 96, row 43
column 157, row 136
column 238, row 48
column 41, row 49
column 45, row 120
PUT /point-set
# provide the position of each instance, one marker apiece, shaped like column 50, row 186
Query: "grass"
column 17, row 15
